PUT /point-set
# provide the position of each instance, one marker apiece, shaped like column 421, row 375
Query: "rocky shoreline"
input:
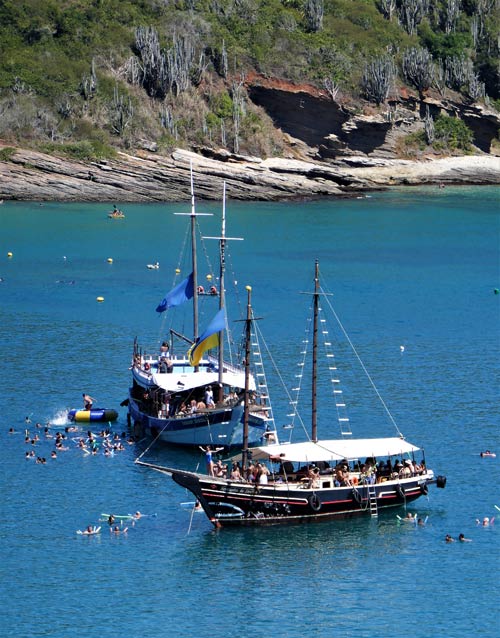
column 148, row 177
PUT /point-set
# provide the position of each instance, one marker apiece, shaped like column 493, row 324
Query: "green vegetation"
column 452, row 134
column 6, row 153
column 83, row 76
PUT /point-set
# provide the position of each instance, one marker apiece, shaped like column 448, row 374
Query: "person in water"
column 117, row 530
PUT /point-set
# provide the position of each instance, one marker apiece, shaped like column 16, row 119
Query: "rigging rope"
column 372, row 383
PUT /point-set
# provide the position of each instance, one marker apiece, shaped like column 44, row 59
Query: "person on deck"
column 209, row 458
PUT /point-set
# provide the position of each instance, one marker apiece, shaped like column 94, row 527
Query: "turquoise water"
column 416, row 268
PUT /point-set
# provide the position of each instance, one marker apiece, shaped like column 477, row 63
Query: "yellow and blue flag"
column 209, row 339
column 178, row 295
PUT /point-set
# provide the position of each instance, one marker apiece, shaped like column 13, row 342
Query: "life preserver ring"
column 200, row 290
column 424, row 488
column 315, row 502
column 213, row 290
column 147, row 366
column 356, row 496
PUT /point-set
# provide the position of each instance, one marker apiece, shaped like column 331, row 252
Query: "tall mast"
column 248, row 334
column 194, row 261
column 222, row 292
column 314, row 410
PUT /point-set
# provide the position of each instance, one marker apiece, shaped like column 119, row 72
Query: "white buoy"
column 402, row 348
column 110, row 260
column 100, row 299
column 9, row 254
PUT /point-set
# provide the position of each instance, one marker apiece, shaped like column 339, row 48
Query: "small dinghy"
column 95, row 414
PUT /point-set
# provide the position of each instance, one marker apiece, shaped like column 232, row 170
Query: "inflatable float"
column 89, row 532
column 95, row 414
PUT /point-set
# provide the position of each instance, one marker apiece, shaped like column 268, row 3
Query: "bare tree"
column 332, row 87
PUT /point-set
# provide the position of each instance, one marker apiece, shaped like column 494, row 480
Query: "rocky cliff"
column 148, row 177
column 331, row 149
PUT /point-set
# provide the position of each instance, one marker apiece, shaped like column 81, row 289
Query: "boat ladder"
column 372, row 499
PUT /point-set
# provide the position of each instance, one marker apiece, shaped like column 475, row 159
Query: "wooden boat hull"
column 95, row 414
column 229, row 503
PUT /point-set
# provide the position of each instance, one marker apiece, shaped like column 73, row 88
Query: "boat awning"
column 189, row 380
column 334, row 450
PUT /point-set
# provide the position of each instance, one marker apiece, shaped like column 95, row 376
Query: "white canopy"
column 187, row 379
column 334, row 450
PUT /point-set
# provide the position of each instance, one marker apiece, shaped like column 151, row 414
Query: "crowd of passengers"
column 366, row 473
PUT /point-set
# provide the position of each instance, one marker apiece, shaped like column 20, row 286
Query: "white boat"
column 187, row 392
column 317, row 479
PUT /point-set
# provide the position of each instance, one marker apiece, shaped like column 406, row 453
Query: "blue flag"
column 178, row 295
column 209, row 339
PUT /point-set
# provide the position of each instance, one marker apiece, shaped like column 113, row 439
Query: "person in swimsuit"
column 209, row 458
column 87, row 401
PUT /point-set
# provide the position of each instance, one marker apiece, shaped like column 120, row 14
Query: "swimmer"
column 485, row 522
column 462, row 539
column 449, row 539
column 117, row 530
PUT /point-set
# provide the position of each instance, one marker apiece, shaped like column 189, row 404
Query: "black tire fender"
column 314, row 502
column 356, row 496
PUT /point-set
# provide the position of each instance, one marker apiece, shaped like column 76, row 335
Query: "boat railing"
column 208, row 362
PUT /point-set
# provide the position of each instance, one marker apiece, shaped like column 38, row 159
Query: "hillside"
column 315, row 80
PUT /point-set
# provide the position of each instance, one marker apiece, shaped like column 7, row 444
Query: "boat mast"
column 222, row 291
column 194, row 261
column 248, row 334
column 314, row 410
